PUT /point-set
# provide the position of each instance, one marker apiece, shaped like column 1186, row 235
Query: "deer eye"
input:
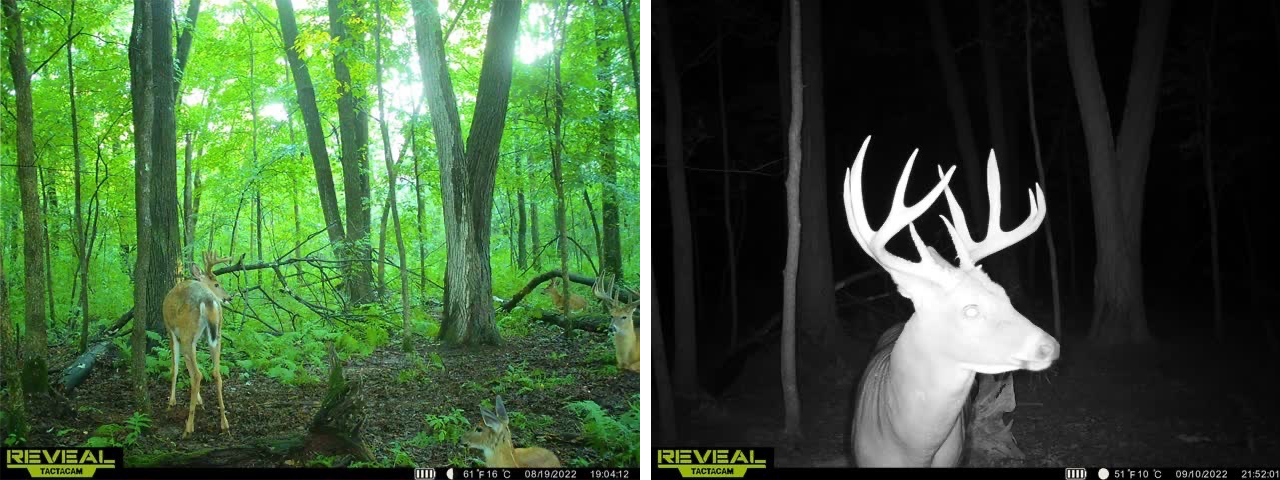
column 970, row 311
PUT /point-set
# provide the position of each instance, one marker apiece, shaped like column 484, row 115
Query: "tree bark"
column 1117, row 166
column 184, row 45
column 82, row 243
column 631, row 49
column 163, row 232
column 467, row 172
column 353, row 130
column 188, row 204
column 311, row 120
column 14, row 402
column 790, row 391
column 36, row 347
column 611, row 259
column 560, row 31
column 141, row 94
column 685, row 335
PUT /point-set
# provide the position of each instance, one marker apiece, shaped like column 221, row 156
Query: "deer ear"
column 490, row 419
column 500, row 409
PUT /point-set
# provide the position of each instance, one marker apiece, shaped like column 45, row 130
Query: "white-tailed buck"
column 626, row 339
column 576, row 302
column 912, row 393
column 193, row 310
column 493, row 437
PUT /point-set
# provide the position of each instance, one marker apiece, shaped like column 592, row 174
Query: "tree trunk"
column 1035, row 139
column 36, row 348
column 257, row 187
column 560, row 32
column 391, row 186
column 188, row 204
column 142, row 96
column 467, row 172
column 184, row 45
column 685, row 335
column 790, row 391
column 353, row 130
column 1008, row 265
column 47, row 189
column 1219, row 327
column 311, row 120
column 535, row 241
column 417, row 189
column 631, row 50
column 730, row 239
column 1117, row 167
column 661, row 387
column 522, row 257
column 82, row 243
column 611, row 253
column 163, row 232
column 14, row 403
column 958, row 106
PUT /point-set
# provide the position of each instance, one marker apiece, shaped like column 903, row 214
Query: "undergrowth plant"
column 616, row 439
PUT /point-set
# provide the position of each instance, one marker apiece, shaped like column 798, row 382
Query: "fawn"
column 493, row 437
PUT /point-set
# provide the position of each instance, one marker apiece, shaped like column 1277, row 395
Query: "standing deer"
column 493, row 437
column 192, row 310
column 626, row 339
column 576, row 302
column 911, row 396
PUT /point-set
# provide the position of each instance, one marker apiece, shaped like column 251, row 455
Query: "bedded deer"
column 193, row 310
column 493, row 437
column 576, row 302
column 626, row 339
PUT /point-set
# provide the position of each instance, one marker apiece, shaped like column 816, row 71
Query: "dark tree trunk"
column 353, row 130
column 417, row 189
column 1117, row 166
column 958, row 106
column 184, row 45
column 391, row 188
column 36, row 347
column 163, row 232
column 535, row 241
column 631, row 49
column 188, row 205
column 311, row 119
column 611, row 253
column 1007, row 267
column 14, row 403
column 560, row 32
column 467, row 173
column 141, row 94
column 685, row 335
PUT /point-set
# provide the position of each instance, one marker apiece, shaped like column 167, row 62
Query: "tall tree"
column 163, row 232
column 82, row 244
column 140, row 93
column 353, row 130
column 14, row 404
column 815, row 296
column 612, row 251
column 522, row 254
column 561, row 34
column 36, row 350
column 391, row 183
column 686, row 331
column 467, row 172
column 311, row 119
column 1118, row 165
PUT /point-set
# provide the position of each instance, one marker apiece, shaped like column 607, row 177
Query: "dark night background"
column 1183, row 398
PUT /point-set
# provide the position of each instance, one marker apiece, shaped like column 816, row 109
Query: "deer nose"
column 1047, row 349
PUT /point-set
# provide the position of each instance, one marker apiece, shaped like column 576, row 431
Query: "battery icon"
column 424, row 473
column 1076, row 474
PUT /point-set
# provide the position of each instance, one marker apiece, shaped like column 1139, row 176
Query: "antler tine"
column 211, row 259
column 971, row 252
column 603, row 288
column 900, row 216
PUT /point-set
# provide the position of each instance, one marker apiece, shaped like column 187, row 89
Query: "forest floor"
column 1176, row 402
column 416, row 404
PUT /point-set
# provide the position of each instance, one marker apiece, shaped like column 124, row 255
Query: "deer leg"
column 217, row 378
column 173, row 377
column 189, row 355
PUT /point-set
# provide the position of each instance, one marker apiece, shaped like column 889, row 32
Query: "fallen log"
column 79, row 370
column 624, row 294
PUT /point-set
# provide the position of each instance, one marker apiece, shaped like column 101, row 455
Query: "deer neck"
column 929, row 390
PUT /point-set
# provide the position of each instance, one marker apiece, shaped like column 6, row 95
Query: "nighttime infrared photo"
column 989, row 234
